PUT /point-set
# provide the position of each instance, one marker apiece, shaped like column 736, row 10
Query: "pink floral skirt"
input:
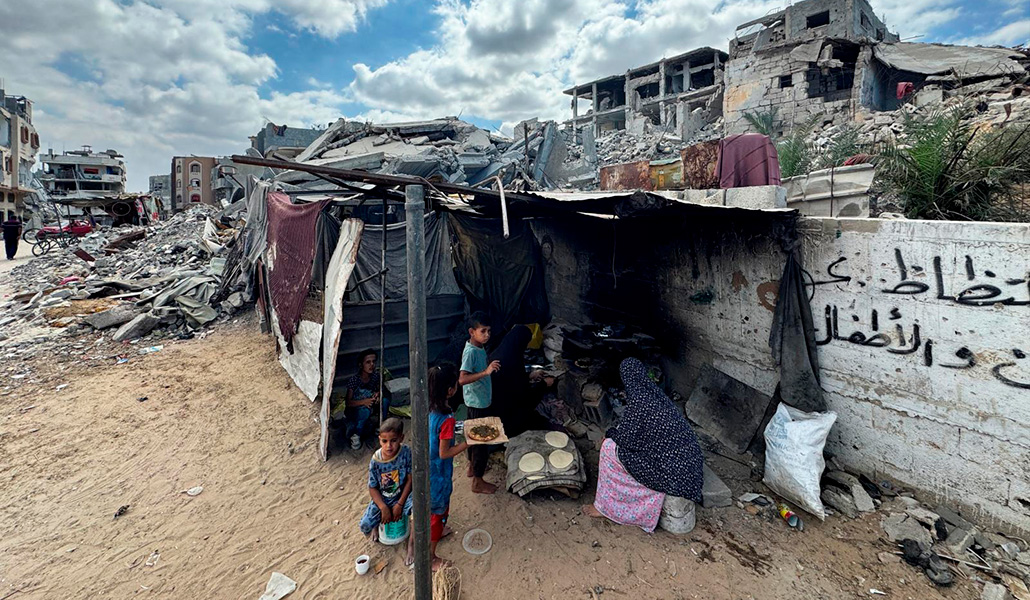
column 620, row 497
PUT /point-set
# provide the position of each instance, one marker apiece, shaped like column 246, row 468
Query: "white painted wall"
column 928, row 418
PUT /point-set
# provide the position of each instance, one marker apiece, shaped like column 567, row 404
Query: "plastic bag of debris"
column 794, row 455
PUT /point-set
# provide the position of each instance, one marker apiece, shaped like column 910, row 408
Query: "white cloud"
column 158, row 78
column 509, row 61
column 1013, row 34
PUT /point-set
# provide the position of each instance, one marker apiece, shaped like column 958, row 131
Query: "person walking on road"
column 12, row 233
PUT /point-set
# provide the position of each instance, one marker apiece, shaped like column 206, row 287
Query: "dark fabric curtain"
column 501, row 277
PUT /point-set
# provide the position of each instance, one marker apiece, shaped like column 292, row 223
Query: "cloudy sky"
column 156, row 78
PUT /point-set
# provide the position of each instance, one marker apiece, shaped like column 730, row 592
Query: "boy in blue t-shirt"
column 389, row 480
column 477, row 391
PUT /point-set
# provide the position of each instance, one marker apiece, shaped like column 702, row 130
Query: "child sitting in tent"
column 389, row 480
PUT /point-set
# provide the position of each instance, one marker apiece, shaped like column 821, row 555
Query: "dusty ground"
column 219, row 412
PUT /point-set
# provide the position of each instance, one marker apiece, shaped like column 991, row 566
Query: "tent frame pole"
column 414, row 208
column 382, row 322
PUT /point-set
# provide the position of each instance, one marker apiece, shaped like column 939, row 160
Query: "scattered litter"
column 121, row 511
column 152, row 560
column 121, row 361
column 62, row 386
column 142, row 399
column 193, row 491
column 877, row 592
column 151, row 349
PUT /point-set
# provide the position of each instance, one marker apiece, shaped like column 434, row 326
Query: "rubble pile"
column 161, row 281
column 445, row 149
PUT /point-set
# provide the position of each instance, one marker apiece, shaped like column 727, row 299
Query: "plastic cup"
column 361, row 564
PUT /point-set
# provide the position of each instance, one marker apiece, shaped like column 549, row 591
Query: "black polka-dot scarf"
column 656, row 444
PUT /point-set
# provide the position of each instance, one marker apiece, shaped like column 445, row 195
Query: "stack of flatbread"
column 544, row 459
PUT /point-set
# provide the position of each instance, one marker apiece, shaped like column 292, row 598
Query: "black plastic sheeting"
column 501, row 277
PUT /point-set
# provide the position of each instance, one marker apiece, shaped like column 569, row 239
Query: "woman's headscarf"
column 655, row 442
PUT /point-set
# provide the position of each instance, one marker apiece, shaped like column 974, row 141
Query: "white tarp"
column 302, row 365
column 341, row 265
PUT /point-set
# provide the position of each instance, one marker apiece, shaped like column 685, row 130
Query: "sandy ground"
column 220, row 413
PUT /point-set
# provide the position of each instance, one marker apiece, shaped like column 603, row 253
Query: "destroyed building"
column 833, row 62
column 442, row 150
column 282, row 139
column 812, row 58
column 83, row 174
column 680, row 93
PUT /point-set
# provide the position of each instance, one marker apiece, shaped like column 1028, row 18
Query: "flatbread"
column 531, row 462
column 534, row 477
column 561, row 459
column 556, row 439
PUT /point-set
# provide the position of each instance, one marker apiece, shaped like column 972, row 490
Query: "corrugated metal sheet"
column 360, row 331
column 627, row 176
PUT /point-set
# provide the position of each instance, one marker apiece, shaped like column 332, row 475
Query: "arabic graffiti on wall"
column 886, row 326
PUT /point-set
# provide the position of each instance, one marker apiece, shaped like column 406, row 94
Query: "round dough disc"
column 531, row 462
column 557, row 439
column 534, row 477
column 561, row 459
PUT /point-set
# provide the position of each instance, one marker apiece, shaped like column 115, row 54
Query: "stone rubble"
column 64, row 306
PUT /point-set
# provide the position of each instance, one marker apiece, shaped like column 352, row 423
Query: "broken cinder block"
column 715, row 493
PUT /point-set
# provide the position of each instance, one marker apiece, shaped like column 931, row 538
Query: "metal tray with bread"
column 487, row 430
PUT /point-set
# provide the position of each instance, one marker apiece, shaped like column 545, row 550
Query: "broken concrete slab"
column 715, row 493
column 953, row 518
column 840, row 502
column 900, row 526
column 959, row 540
column 136, row 328
column 727, row 408
column 863, row 502
column 994, row 591
column 111, row 317
column 924, row 516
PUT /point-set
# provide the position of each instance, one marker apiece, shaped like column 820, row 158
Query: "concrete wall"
column 706, row 287
column 927, row 418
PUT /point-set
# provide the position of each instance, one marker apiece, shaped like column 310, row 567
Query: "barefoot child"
column 477, row 391
column 389, row 480
column 443, row 384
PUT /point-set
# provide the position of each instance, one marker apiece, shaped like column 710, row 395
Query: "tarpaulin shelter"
column 483, row 252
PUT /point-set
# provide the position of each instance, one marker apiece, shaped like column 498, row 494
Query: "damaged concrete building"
column 680, row 93
column 813, row 58
column 835, row 62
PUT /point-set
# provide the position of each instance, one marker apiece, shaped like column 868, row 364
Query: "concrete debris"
column 994, row 591
column 447, row 149
column 150, row 282
column 137, row 328
column 900, row 526
column 111, row 317
column 840, row 502
column 714, row 493
column 959, row 540
column 860, row 498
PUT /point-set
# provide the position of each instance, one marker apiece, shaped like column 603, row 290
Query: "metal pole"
column 414, row 209
column 382, row 323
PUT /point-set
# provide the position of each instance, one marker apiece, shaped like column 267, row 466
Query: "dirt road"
column 220, row 413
